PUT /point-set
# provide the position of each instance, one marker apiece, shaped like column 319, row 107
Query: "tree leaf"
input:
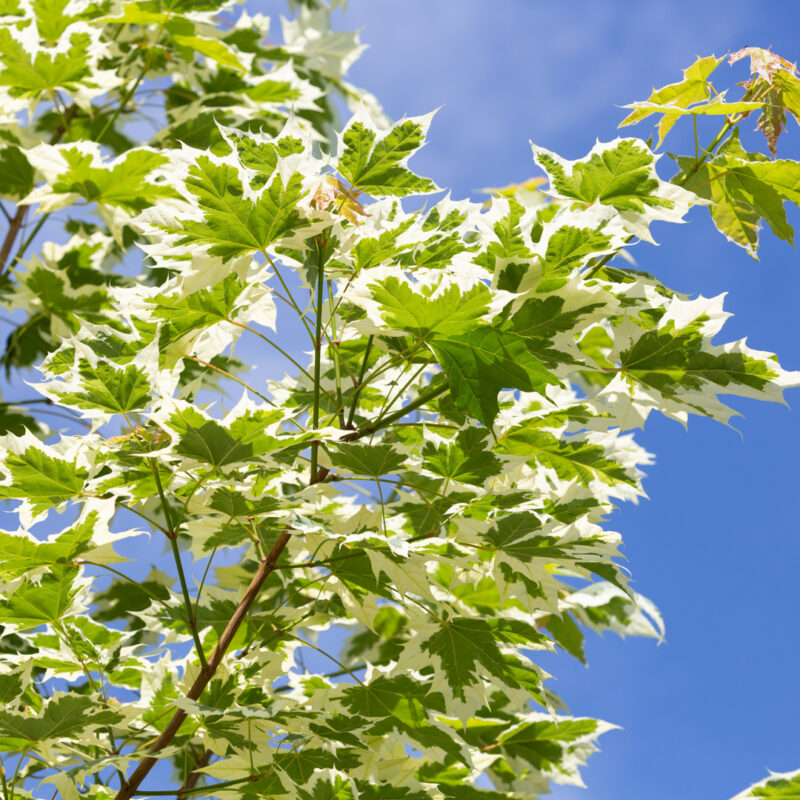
column 65, row 716
column 105, row 387
column 367, row 459
column 450, row 311
column 402, row 705
column 694, row 88
column 745, row 188
column 219, row 445
column 375, row 162
column 778, row 786
column 482, row 362
column 16, row 173
column 620, row 174
column 47, row 71
column 232, row 223
column 41, row 480
column 47, row 600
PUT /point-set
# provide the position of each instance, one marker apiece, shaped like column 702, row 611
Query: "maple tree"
column 419, row 502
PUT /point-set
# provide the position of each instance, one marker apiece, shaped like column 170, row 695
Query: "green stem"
column 360, row 384
column 176, row 555
column 138, row 585
column 335, row 353
column 231, row 376
column 6, row 403
column 317, row 356
column 322, row 652
column 6, row 795
column 203, row 581
column 209, row 789
column 424, row 397
column 139, row 78
column 601, row 262
column 23, row 755
column 730, row 123
column 289, row 296
column 272, row 344
column 337, row 674
column 139, row 514
column 391, row 401
column 172, row 535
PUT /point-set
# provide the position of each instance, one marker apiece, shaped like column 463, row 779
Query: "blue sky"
column 717, row 545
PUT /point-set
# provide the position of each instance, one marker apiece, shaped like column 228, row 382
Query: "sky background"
column 716, row 546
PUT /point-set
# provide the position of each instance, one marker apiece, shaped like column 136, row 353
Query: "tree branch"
column 367, row 430
column 18, row 220
column 266, row 568
column 194, row 775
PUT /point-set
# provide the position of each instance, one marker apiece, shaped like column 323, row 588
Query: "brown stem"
column 17, row 222
column 194, row 775
column 207, row 673
column 18, row 219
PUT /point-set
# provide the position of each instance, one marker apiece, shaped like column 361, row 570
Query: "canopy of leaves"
column 367, row 551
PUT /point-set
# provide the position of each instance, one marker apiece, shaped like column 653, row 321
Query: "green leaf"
column 16, row 173
column 15, row 420
column 201, row 309
column 541, row 319
column 65, row 716
column 213, row 48
column 376, row 163
column 41, row 480
column 542, row 743
column 778, row 786
column 134, row 13
column 214, row 443
column 568, row 249
column 269, row 91
column 745, row 188
column 670, row 359
column 566, row 633
column 48, row 71
column 52, row 19
column 124, row 184
column 367, row 459
column 233, row 224
column 402, row 705
column 694, row 88
column 47, row 600
column 510, row 245
column 572, row 457
column 468, row 653
column 20, row 554
column 715, row 107
column 107, row 388
column 467, row 458
column 370, row 252
column 451, row 311
column 619, row 174
column 525, row 548
column 13, row 685
column 482, row 362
